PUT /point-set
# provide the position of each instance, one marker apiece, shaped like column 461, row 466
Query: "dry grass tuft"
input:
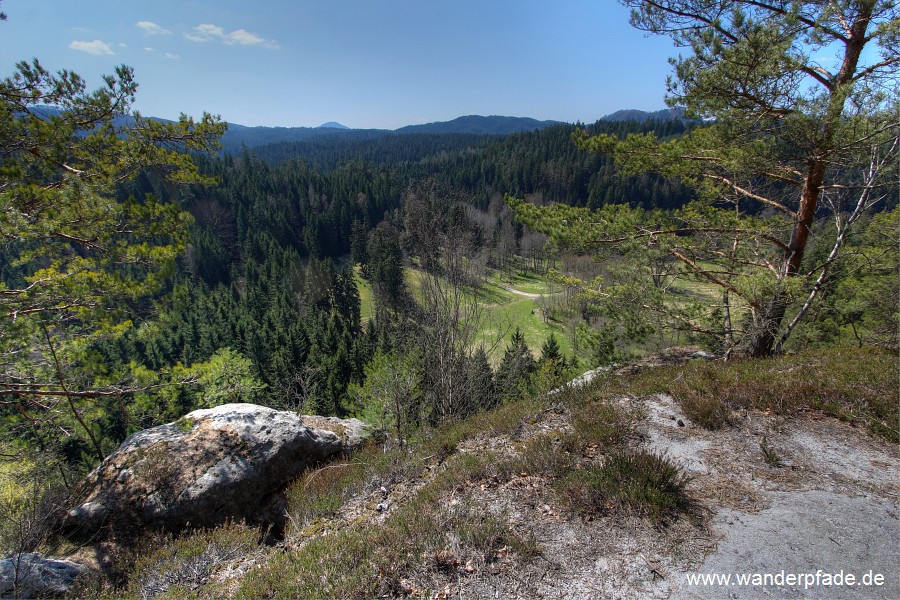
column 637, row 482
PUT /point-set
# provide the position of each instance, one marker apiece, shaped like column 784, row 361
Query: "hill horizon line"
column 619, row 115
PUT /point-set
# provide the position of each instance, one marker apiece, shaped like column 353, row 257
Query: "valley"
column 653, row 355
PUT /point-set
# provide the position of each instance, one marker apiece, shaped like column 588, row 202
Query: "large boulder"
column 353, row 432
column 213, row 465
column 33, row 575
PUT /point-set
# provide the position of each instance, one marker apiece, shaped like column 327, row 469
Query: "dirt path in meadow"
column 526, row 294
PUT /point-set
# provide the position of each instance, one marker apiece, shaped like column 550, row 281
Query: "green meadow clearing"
column 506, row 301
column 501, row 310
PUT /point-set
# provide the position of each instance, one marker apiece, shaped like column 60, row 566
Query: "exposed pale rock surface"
column 33, row 575
column 212, row 465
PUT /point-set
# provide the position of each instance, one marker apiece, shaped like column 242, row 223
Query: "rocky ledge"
column 33, row 575
column 211, row 466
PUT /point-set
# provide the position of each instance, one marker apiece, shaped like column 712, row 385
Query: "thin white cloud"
column 244, row 38
column 97, row 47
column 151, row 28
column 168, row 55
column 207, row 32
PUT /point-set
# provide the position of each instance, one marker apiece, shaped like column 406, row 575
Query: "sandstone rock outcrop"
column 212, row 465
column 33, row 575
column 352, row 432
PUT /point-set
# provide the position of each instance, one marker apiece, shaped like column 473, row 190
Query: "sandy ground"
column 830, row 508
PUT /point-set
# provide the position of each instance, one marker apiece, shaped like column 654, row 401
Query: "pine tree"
column 552, row 364
column 82, row 257
column 550, row 351
column 480, row 381
column 787, row 131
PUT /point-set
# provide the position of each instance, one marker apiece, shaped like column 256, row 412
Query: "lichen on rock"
column 227, row 463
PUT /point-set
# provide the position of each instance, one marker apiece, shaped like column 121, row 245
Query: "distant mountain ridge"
column 479, row 125
column 641, row 116
column 239, row 136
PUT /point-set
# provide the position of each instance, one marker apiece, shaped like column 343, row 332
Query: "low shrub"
column 422, row 540
column 181, row 565
column 769, row 454
column 600, row 424
column 637, row 482
column 320, row 492
column 32, row 503
column 546, row 455
column 706, row 411
column 505, row 419
column 857, row 385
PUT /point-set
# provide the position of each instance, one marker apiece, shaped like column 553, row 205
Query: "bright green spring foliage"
column 82, row 249
column 75, row 260
column 800, row 107
column 388, row 399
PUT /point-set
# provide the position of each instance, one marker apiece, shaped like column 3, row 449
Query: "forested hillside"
column 545, row 162
column 263, row 304
column 264, row 288
column 445, row 284
column 268, row 274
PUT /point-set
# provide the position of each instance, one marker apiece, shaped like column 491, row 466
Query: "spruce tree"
column 517, row 365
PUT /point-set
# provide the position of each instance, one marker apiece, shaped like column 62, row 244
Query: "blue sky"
column 384, row 63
